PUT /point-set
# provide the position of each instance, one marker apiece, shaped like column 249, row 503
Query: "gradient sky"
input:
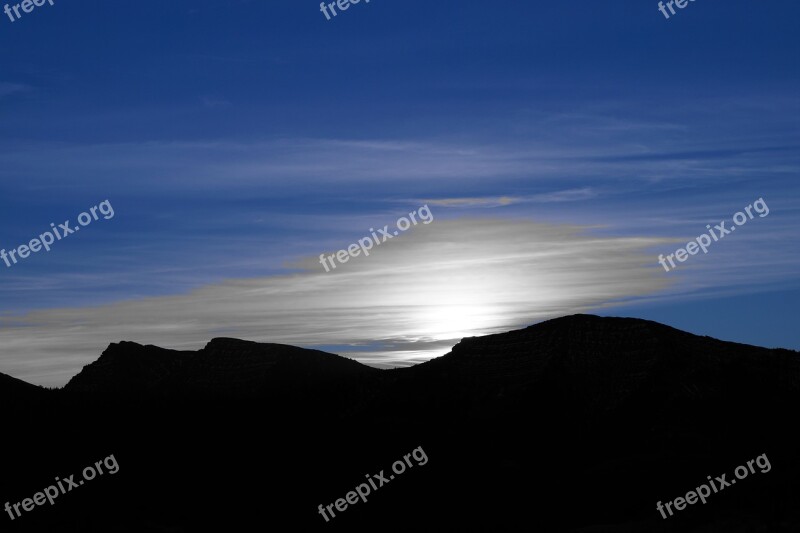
column 560, row 146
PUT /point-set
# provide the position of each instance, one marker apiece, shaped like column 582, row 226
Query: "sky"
column 560, row 148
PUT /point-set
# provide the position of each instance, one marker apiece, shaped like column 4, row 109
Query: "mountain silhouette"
column 231, row 366
column 16, row 390
column 579, row 423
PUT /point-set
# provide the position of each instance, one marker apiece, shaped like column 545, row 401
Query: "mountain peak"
column 127, row 366
column 227, row 342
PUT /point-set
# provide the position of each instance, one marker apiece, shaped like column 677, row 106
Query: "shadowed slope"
column 16, row 390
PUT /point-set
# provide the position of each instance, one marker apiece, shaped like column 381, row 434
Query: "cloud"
column 215, row 103
column 7, row 88
column 411, row 299
column 489, row 201
column 569, row 195
column 455, row 173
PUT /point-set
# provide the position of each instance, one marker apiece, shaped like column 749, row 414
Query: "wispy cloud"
column 215, row 103
column 489, row 201
column 7, row 88
column 568, row 195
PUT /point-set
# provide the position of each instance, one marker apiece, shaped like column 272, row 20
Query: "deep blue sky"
column 237, row 139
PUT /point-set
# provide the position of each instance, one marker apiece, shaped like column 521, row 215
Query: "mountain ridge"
column 562, row 418
column 154, row 364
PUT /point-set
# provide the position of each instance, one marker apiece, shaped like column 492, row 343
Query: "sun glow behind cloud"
column 410, row 300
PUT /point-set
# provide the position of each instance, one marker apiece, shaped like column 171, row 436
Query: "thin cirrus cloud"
column 8, row 88
column 569, row 195
column 411, row 299
column 599, row 145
